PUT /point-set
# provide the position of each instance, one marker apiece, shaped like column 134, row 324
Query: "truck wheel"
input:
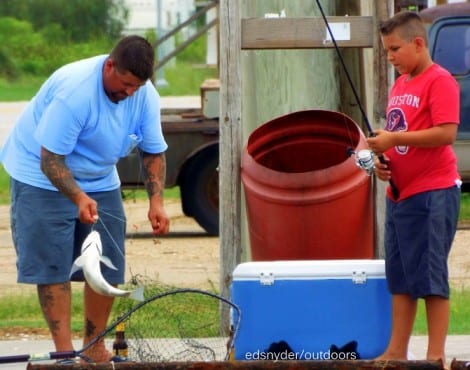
column 200, row 190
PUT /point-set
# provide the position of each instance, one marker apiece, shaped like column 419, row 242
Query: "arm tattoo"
column 54, row 167
column 154, row 171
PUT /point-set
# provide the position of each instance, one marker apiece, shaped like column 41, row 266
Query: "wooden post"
column 230, row 141
column 381, row 86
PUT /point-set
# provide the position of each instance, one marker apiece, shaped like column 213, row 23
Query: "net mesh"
column 178, row 325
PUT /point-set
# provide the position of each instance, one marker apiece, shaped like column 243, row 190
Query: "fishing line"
column 345, row 69
column 113, row 216
column 364, row 158
column 111, row 237
column 367, row 160
column 100, row 220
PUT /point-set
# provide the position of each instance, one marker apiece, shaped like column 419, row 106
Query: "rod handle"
column 393, row 187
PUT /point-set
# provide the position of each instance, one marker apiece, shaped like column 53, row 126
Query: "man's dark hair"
column 408, row 24
column 134, row 54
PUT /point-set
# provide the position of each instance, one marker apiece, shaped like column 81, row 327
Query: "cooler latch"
column 266, row 278
column 359, row 277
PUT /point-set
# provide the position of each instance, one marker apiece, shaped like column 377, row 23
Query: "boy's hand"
column 381, row 141
column 381, row 169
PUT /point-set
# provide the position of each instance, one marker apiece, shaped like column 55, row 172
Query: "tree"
column 80, row 20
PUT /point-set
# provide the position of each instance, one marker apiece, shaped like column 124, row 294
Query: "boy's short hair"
column 408, row 24
column 134, row 54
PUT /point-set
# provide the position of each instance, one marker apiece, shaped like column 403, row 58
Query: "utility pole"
column 160, row 82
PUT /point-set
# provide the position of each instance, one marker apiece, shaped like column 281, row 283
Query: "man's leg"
column 403, row 316
column 97, row 309
column 437, row 314
column 55, row 301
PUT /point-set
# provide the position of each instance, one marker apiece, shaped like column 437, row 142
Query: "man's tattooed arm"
column 154, row 171
column 54, row 167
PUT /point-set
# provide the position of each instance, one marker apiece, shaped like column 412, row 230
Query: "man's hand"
column 158, row 218
column 87, row 209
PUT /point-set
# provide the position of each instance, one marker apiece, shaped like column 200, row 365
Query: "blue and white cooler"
column 311, row 310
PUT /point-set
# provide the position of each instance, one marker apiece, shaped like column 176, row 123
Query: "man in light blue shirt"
column 61, row 157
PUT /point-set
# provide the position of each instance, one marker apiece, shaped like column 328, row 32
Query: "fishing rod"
column 365, row 157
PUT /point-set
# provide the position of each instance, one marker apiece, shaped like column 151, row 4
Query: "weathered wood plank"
column 254, row 365
column 230, row 143
column 302, row 33
column 381, row 88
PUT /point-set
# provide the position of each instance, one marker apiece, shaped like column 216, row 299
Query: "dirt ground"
column 188, row 257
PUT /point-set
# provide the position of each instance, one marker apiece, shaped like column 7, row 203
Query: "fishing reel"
column 364, row 159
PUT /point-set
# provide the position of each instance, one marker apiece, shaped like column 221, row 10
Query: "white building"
column 143, row 14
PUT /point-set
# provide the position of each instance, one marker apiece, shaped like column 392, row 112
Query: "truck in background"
column 192, row 158
column 449, row 45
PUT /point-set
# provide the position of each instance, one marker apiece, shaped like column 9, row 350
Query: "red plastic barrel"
column 305, row 197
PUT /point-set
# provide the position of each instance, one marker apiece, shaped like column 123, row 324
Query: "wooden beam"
column 302, row 33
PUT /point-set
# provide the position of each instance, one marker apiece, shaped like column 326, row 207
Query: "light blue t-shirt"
column 71, row 115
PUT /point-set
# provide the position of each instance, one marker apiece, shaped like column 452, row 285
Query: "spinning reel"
column 364, row 159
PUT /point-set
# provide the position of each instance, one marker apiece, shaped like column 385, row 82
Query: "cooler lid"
column 309, row 269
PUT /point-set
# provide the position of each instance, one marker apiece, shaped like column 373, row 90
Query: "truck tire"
column 200, row 189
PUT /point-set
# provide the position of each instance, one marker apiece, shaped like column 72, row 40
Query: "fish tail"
column 137, row 294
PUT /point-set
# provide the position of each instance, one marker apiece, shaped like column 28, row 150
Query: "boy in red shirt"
column 422, row 121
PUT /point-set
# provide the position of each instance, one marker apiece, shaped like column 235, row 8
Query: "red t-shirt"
column 427, row 100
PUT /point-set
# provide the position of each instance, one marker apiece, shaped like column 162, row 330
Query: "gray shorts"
column 419, row 232
column 48, row 236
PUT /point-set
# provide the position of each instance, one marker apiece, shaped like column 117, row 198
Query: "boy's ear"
column 419, row 42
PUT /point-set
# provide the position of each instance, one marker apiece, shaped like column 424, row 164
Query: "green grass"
column 460, row 312
column 19, row 90
column 22, row 311
column 183, row 79
column 138, row 194
column 464, row 207
column 4, row 186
